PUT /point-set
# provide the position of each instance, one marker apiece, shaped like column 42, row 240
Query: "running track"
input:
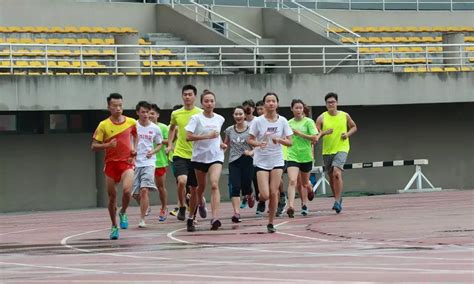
column 392, row 238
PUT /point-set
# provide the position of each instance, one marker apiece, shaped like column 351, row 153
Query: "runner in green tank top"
column 335, row 127
column 300, row 156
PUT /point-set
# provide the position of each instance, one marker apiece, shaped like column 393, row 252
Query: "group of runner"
column 260, row 149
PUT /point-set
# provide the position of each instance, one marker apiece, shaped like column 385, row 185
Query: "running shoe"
column 250, row 201
column 215, row 224
column 291, row 212
column 202, row 208
column 310, row 194
column 337, row 207
column 190, row 225
column 142, row 224
column 181, row 213
column 304, row 210
column 260, row 208
column 236, row 218
column 163, row 214
column 271, row 229
column 123, row 220
column 114, row 233
column 174, row 212
column 281, row 205
column 148, row 211
column 243, row 203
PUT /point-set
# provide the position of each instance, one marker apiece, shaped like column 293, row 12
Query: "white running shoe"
column 142, row 224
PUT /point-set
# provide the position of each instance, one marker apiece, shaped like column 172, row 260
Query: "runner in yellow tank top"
column 335, row 127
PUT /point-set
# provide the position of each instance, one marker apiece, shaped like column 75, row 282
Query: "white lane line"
column 56, row 267
column 16, row 232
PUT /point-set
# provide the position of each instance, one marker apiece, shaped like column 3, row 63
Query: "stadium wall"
column 88, row 93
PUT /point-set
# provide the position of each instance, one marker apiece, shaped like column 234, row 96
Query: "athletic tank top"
column 333, row 143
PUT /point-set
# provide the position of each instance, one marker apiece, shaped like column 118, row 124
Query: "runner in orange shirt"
column 114, row 134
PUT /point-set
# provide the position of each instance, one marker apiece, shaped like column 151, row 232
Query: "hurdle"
column 418, row 176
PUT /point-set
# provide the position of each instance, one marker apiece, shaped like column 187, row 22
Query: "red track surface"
column 410, row 237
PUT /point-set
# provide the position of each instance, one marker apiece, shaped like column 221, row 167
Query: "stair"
column 168, row 39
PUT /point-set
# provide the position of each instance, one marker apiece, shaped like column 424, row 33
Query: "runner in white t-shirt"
column 203, row 130
column 148, row 133
column 267, row 134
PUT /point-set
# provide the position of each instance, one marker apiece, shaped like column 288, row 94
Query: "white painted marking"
column 16, row 232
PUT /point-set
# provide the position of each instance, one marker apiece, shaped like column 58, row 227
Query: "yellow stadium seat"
column 89, row 74
column 146, row 63
column 4, row 73
column 71, row 29
column 113, row 30
column 161, row 64
column 189, row 73
column 21, row 63
column 439, row 29
column 468, row 29
column 388, row 39
column 450, row 69
column 470, row 48
column 92, row 52
column 415, row 39
column 76, row 64
column 360, row 40
column 417, row 49
column 466, row 69
column 128, row 30
column 436, row 69
column 364, row 50
column 83, row 41
column 175, row 73
column 374, row 40
column 97, row 41
column 5, row 52
column 438, row 39
column 194, row 63
column 433, row 49
column 26, row 40
column 382, row 61
column 55, row 41
column 33, row 73
column 74, row 74
column 348, row 40
column 359, row 29
column 421, row 69
column 98, row 30
column 335, row 30
column 52, row 64
column 428, row 39
column 401, row 39
column 165, row 52
column 5, row 63
column 118, row 74
column 145, row 73
column 21, row 52
column 425, row 29
column 61, row 73
column 41, row 41
column 376, row 50
column 131, row 73
column 56, row 30
column 42, row 30
column 15, row 29
column 109, row 41
column 108, row 52
column 160, row 73
column 176, row 63
column 13, row 40
column 471, row 59
column 469, row 39
column 19, row 73
column 69, row 41
column 412, row 29
column 64, row 64
column 29, row 29
column 103, row 74
column 142, row 41
column 202, row 73
column 409, row 70
column 403, row 49
column 4, row 29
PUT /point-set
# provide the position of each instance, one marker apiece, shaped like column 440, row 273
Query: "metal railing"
column 384, row 5
column 226, row 26
column 327, row 25
column 227, row 59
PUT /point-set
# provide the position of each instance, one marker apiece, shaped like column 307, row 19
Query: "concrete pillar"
column 127, row 66
column 452, row 54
